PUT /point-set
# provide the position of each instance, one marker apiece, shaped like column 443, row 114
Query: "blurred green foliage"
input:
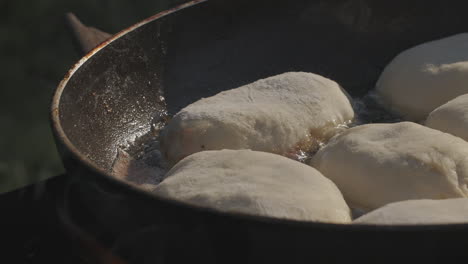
column 35, row 52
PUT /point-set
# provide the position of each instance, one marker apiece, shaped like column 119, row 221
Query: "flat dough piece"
column 424, row 77
column 377, row 164
column 279, row 114
column 417, row 212
column 256, row 183
column 451, row 117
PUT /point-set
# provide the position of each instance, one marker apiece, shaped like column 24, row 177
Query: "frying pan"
column 114, row 93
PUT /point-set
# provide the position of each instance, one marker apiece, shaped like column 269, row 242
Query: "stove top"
column 32, row 231
column 36, row 228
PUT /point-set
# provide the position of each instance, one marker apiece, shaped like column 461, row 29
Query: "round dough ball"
column 414, row 212
column 256, row 183
column 424, row 77
column 377, row 164
column 451, row 117
column 279, row 114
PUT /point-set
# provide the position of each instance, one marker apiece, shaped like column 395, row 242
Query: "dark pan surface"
column 197, row 52
column 113, row 95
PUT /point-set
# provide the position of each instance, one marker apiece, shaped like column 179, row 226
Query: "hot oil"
column 141, row 162
column 145, row 155
column 304, row 151
column 368, row 109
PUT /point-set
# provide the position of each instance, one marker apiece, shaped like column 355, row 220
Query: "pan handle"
column 85, row 38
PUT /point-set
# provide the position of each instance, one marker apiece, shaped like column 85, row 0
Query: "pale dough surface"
column 377, row 164
column 414, row 212
column 256, row 183
column 279, row 114
column 424, row 77
column 451, row 117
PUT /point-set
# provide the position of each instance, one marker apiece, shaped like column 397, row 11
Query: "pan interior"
column 114, row 98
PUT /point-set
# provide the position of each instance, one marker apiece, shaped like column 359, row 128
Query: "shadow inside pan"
column 115, row 98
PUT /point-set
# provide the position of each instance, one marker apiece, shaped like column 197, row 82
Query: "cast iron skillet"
column 113, row 94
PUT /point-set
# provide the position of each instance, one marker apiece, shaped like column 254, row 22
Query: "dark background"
column 36, row 50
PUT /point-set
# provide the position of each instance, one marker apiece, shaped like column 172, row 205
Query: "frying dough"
column 449, row 211
column 279, row 114
column 256, row 183
column 424, row 77
column 451, row 117
column 377, row 164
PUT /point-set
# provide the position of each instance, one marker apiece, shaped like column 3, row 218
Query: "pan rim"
column 62, row 137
